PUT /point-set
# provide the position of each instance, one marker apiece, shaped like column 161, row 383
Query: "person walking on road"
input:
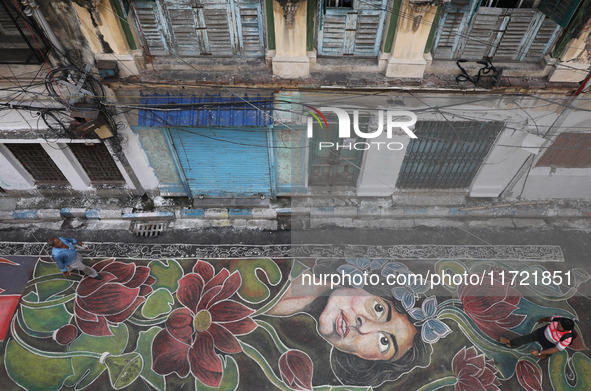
column 67, row 257
column 556, row 336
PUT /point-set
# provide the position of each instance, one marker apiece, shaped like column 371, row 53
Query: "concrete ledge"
column 6, row 215
column 92, row 214
column 191, row 213
column 258, row 213
column 27, row 214
column 148, row 216
column 109, row 214
column 291, row 66
column 438, row 223
column 73, row 212
column 529, row 223
column 316, row 222
column 49, row 214
column 267, row 225
column 216, row 214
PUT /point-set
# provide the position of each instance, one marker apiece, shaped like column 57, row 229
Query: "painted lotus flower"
column 296, row 369
column 491, row 305
column 529, row 375
column 473, row 371
column 208, row 321
column 113, row 299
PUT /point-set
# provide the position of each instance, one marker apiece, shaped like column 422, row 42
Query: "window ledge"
column 510, row 69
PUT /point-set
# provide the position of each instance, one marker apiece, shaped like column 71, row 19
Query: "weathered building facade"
column 235, row 104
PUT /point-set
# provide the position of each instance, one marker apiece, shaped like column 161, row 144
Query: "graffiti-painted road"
column 309, row 317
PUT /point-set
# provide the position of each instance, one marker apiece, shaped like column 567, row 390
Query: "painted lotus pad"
column 238, row 324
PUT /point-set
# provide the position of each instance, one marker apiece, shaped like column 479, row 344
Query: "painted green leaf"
column 33, row 372
column 449, row 267
column 581, row 366
column 45, row 319
column 124, row 369
column 144, row 347
column 166, row 273
column 229, row 379
column 159, row 303
column 87, row 369
column 253, row 290
column 49, row 288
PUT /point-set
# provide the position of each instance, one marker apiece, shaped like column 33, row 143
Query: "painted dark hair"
column 353, row 370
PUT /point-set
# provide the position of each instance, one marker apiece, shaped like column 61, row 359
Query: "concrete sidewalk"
column 387, row 213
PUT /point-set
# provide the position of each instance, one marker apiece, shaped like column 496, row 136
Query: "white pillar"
column 64, row 158
column 412, row 32
column 12, row 175
column 290, row 59
column 381, row 166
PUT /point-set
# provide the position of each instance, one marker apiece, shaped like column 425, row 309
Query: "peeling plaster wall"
column 579, row 49
column 290, row 42
column 101, row 26
column 63, row 19
column 409, row 44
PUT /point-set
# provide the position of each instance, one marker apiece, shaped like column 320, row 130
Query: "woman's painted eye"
column 383, row 343
column 378, row 308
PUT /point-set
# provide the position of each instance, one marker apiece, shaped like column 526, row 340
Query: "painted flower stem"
column 439, row 383
column 476, row 336
column 54, row 277
column 44, row 353
column 272, row 303
column 147, row 322
column 449, row 303
column 342, row 388
column 273, row 333
column 45, row 304
column 259, row 359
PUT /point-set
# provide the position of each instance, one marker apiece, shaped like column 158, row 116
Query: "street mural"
column 244, row 324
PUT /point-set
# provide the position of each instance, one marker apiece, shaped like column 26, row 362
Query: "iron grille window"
column 38, row 163
column 570, row 150
column 339, row 3
column 446, row 155
column 507, row 3
column 19, row 42
column 98, row 163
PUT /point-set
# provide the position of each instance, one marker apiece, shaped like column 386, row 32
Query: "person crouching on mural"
column 373, row 338
column 556, row 336
column 67, row 257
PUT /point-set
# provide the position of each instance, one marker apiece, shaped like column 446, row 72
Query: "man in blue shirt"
column 67, row 257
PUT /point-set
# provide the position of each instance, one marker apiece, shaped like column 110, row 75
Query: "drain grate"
column 148, row 229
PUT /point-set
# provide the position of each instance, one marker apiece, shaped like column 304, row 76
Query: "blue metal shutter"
column 224, row 162
column 220, row 143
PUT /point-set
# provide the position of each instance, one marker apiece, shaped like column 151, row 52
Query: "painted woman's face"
column 368, row 326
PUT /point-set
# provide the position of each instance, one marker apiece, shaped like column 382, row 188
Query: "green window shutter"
column 560, row 11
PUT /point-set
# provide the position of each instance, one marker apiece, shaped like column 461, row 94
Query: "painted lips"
column 342, row 326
